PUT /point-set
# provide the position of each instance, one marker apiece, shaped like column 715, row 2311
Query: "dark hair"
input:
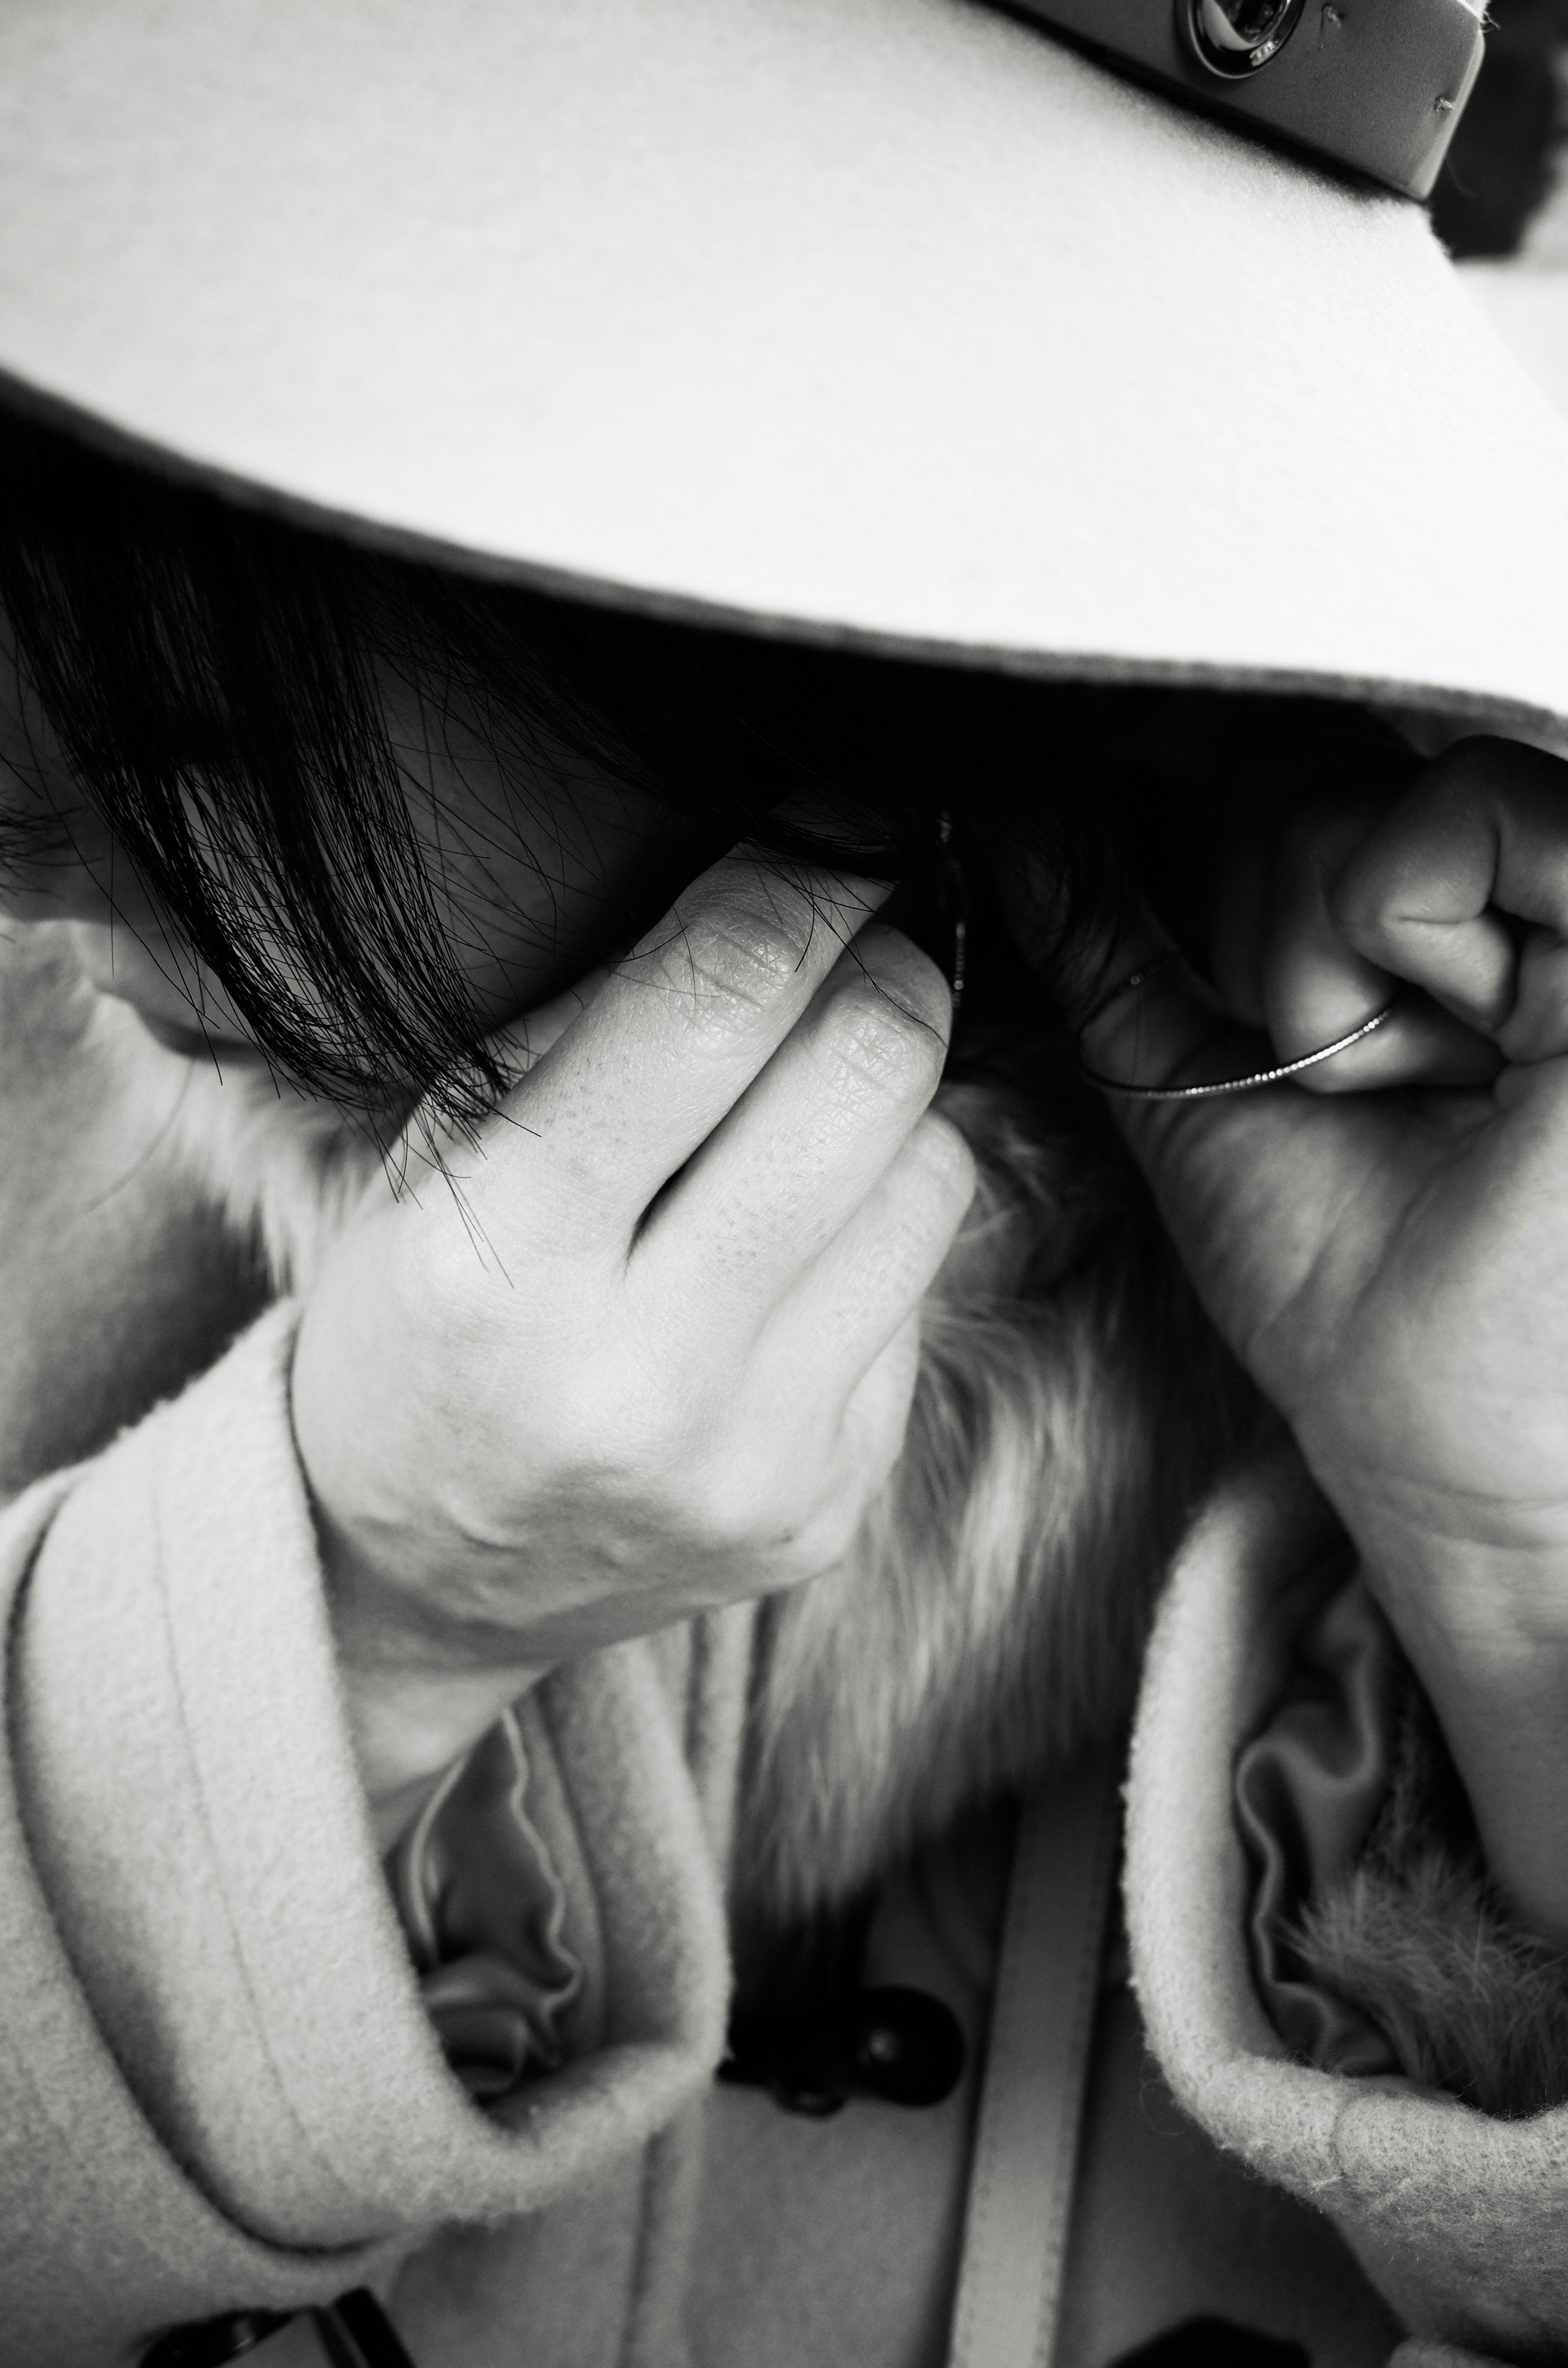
column 215, row 674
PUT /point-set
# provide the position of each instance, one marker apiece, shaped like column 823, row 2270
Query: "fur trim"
column 992, row 1618
column 1416, row 1938
column 287, row 1171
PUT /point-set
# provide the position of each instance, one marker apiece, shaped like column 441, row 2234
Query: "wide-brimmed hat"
column 895, row 322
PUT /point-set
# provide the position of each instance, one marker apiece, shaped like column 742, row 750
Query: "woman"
column 626, row 1291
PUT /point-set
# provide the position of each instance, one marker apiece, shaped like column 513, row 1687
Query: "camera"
column 1374, row 86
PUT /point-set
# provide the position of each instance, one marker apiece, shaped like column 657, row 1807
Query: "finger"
column 871, row 1279
column 1316, row 988
column 876, row 1416
column 1537, row 1028
column 437, row 1146
column 811, row 1136
column 674, row 1037
column 1149, row 1022
column 1240, row 1179
column 872, row 1425
column 524, row 1043
column 1481, row 838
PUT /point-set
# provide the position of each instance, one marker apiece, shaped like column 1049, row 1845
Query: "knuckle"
column 1320, row 847
column 873, row 1040
column 904, row 971
column 1367, row 901
column 728, row 967
column 1360, row 907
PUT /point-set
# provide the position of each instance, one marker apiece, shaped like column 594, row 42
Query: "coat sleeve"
column 1455, row 2215
column 219, row 2087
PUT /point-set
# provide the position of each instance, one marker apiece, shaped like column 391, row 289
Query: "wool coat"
column 227, row 2074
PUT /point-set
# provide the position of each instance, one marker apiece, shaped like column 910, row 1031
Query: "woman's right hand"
column 649, row 1346
column 1384, row 1241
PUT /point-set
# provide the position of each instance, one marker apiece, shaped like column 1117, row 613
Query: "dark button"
column 1215, row 2343
column 900, row 2045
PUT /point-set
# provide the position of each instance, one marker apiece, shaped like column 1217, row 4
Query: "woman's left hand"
column 1393, row 1265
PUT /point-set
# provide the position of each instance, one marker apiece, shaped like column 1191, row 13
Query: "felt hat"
column 896, row 323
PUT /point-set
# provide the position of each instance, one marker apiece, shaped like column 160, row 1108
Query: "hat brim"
column 892, row 321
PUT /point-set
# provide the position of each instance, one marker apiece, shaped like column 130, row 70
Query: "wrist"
column 1483, row 1569
column 420, row 1684
column 396, row 1564
column 407, row 1728
column 1484, row 1624
column 411, row 1708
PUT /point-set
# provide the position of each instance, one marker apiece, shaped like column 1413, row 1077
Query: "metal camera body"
column 1377, row 85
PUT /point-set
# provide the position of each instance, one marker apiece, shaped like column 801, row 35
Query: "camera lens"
column 1236, row 36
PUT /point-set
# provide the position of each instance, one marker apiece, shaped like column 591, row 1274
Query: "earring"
column 952, row 904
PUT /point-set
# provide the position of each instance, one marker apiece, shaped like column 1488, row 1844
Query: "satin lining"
column 483, row 1908
column 1308, row 1790
column 482, row 1911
